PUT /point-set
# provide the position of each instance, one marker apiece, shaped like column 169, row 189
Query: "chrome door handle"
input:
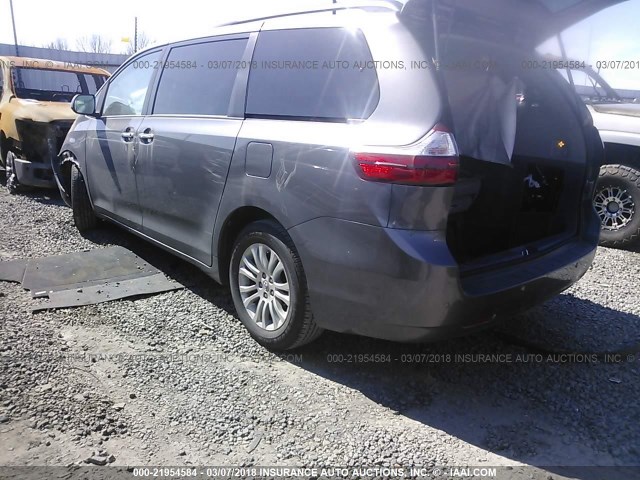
column 127, row 136
column 148, row 137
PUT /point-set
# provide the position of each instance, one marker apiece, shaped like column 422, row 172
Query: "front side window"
column 198, row 79
column 127, row 91
column 53, row 85
column 320, row 73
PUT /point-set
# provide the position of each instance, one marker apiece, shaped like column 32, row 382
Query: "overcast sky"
column 613, row 34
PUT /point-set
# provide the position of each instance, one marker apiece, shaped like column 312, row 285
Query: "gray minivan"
column 391, row 170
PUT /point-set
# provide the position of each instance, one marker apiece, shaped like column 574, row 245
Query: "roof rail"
column 394, row 5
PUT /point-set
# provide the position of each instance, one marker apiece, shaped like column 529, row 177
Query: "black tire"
column 626, row 179
column 299, row 328
column 12, row 183
column 4, row 149
column 83, row 215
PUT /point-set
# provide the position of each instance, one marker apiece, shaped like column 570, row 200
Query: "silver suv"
column 377, row 170
column 617, row 196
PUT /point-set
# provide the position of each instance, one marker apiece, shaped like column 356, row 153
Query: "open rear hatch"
column 526, row 23
column 521, row 132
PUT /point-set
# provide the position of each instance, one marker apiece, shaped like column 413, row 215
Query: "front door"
column 112, row 149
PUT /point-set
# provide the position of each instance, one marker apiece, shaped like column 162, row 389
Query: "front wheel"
column 269, row 288
column 617, row 202
column 13, row 185
column 83, row 215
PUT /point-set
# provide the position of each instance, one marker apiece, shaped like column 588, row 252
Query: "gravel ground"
column 174, row 379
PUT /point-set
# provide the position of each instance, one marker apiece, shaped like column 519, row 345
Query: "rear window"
column 312, row 74
column 198, row 79
column 54, row 85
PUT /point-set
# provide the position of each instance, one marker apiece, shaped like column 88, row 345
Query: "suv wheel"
column 617, row 202
column 83, row 215
column 269, row 288
column 13, row 186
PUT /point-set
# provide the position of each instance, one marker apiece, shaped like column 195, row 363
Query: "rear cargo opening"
column 513, row 207
column 523, row 154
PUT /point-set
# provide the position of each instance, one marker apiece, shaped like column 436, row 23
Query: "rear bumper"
column 405, row 285
column 34, row 174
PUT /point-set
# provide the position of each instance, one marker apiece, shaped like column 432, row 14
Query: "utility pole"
column 135, row 36
column 335, row 1
column 13, row 22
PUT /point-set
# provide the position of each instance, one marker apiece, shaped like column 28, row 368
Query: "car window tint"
column 198, row 79
column 128, row 90
column 321, row 73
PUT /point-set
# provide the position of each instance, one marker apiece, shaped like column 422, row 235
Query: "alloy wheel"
column 615, row 207
column 264, row 286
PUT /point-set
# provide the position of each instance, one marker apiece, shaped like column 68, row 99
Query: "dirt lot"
column 173, row 379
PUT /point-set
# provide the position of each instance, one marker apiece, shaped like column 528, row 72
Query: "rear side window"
column 198, row 79
column 321, row 73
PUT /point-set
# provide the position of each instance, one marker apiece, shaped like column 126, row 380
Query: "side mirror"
column 84, row 105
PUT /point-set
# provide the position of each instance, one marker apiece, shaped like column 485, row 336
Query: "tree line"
column 98, row 44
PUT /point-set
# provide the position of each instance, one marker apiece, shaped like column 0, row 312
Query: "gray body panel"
column 110, row 174
column 181, row 176
column 310, row 177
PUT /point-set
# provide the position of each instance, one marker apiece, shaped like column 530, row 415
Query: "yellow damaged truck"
column 35, row 115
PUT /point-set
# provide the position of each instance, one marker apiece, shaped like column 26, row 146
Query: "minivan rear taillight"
column 432, row 161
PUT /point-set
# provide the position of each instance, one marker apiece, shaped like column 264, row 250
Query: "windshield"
column 54, row 85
